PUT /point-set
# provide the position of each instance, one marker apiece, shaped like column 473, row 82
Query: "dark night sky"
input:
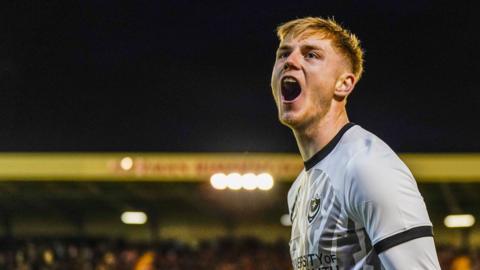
column 194, row 75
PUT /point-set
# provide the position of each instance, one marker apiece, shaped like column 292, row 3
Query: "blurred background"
column 121, row 125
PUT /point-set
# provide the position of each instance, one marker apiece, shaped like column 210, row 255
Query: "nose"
column 292, row 62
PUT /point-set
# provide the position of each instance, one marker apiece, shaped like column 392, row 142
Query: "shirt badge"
column 313, row 208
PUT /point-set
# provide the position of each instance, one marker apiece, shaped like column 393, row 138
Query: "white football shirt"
column 354, row 199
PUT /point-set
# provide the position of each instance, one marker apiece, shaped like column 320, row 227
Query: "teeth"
column 289, row 80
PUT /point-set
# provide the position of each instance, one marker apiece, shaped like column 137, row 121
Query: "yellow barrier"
column 200, row 166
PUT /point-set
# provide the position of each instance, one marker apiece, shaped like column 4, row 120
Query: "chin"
column 290, row 120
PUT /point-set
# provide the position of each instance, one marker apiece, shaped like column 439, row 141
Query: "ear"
column 344, row 85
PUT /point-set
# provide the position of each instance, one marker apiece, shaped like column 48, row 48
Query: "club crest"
column 313, row 208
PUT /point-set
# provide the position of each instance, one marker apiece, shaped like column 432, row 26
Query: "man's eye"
column 311, row 55
column 282, row 55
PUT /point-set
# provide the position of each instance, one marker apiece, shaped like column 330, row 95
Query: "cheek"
column 275, row 72
column 320, row 95
column 274, row 81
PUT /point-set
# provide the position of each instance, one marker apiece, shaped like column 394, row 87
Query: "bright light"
column 249, row 181
column 134, row 217
column 234, row 181
column 48, row 256
column 126, row 163
column 265, row 181
column 285, row 220
column 219, row 181
column 459, row 221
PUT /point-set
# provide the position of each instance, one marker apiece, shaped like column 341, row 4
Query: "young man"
column 355, row 205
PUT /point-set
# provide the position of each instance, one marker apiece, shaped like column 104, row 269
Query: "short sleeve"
column 383, row 196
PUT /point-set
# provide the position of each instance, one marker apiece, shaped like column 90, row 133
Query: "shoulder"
column 358, row 144
column 371, row 155
column 381, row 193
column 374, row 171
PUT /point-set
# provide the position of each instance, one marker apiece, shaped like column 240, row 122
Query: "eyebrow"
column 312, row 47
column 284, row 48
column 305, row 46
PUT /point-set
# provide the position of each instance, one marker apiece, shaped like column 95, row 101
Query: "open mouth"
column 290, row 88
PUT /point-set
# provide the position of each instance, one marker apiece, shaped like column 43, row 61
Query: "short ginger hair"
column 344, row 41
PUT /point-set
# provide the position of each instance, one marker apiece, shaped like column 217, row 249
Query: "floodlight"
column 234, row 181
column 459, row 221
column 126, row 163
column 134, row 217
column 249, row 181
column 219, row 181
column 265, row 181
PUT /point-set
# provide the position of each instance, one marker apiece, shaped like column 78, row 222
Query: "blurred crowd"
column 452, row 258
column 220, row 254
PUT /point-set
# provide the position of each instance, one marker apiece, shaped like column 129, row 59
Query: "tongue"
column 290, row 91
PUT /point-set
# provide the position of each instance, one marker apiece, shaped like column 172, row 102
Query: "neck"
column 313, row 138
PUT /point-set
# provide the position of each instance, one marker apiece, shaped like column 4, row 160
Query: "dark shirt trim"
column 327, row 149
column 403, row 237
